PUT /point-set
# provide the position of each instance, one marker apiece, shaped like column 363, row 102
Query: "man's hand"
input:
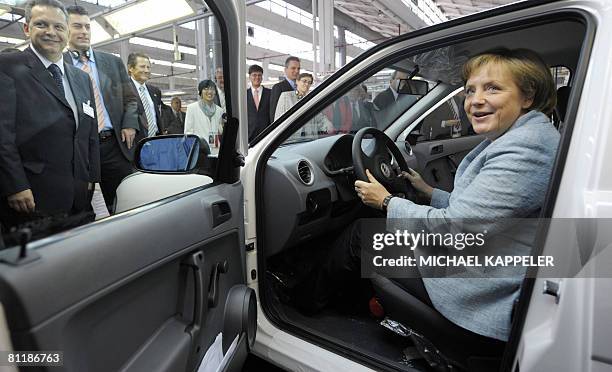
column 373, row 193
column 417, row 182
column 127, row 136
column 23, row 201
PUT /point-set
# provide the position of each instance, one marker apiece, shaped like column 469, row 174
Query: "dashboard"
column 309, row 190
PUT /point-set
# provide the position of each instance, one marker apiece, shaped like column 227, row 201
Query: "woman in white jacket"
column 204, row 118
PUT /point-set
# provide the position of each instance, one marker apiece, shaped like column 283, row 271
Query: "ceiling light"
column 161, row 45
column 173, row 93
column 146, row 14
column 10, row 40
column 173, row 64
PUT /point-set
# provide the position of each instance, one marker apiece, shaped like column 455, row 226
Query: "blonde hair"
column 528, row 71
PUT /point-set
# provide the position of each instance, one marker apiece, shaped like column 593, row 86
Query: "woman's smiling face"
column 208, row 94
column 493, row 100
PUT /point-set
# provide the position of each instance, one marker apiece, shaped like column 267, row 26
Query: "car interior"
column 308, row 195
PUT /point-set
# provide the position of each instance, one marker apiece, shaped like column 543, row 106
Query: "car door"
column 149, row 289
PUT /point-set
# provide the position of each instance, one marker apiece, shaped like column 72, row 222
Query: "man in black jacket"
column 175, row 117
column 292, row 70
column 388, row 97
column 114, row 102
column 258, row 102
column 49, row 154
column 149, row 102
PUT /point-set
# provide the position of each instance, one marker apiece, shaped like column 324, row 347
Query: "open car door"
column 150, row 289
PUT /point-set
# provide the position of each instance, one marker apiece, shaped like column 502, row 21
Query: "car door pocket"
column 436, row 149
column 221, row 212
column 435, row 175
column 453, row 164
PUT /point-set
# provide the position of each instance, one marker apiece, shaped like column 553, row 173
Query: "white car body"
column 556, row 337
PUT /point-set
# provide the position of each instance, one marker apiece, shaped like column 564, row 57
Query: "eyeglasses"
column 209, row 88
column 306, row 81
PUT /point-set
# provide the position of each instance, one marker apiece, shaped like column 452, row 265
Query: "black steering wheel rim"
column 379, row 162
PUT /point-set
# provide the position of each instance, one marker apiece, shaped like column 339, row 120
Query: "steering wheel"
column 376, row 153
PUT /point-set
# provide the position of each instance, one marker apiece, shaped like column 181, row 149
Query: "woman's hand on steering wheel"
column 417, row 182
column 371, row 193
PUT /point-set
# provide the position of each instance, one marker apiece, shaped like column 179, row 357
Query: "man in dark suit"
column 114, row 102
column 49, row 154
column 292, row 70
column 258, row 102
column 149, row 102
column 352, row 112
column 175, row 117
column 388, row 96
column 361, row 109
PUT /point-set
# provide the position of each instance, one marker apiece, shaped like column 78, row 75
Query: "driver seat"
column 467, row 350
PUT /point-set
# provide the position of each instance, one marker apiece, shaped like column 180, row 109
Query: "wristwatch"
column 386, row 201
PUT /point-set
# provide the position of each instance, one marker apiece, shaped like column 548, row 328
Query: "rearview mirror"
column 415, row 87
column 175, row 153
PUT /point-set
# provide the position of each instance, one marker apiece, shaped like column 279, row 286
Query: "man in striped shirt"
column 115, row 103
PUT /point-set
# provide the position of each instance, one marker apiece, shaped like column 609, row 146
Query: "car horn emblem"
column 385, row 169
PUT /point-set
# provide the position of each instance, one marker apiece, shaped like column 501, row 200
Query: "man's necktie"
column 179, row 118
column 99, row 108
column 152, row 126
column 57, row 77
column 256, row 98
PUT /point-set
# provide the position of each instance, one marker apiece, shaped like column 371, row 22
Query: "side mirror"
column 174, row 153
column 414, row 87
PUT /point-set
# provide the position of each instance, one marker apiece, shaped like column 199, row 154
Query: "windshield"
column 377, row 101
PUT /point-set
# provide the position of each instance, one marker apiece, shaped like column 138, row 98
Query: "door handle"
column 213, row 290
column 196, row 263
column 438, row 149
column 221, row 212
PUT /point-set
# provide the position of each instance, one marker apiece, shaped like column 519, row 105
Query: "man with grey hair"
column 49, row 156
column 150, row 103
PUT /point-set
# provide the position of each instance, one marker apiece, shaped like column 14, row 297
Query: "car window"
column 562, row 75
column 448, row 120
column 70, row 125
column 376, row 101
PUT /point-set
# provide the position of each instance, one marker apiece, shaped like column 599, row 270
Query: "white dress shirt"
column 148, row 97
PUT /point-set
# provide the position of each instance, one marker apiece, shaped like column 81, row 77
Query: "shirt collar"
column 46, row 62
column 291, row 82
column 137, row 84
column 395, row 94
column 92, row 58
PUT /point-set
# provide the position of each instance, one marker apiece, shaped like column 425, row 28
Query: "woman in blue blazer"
column 509, row 94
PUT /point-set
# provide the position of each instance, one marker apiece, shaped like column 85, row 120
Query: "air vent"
column 305, row 172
